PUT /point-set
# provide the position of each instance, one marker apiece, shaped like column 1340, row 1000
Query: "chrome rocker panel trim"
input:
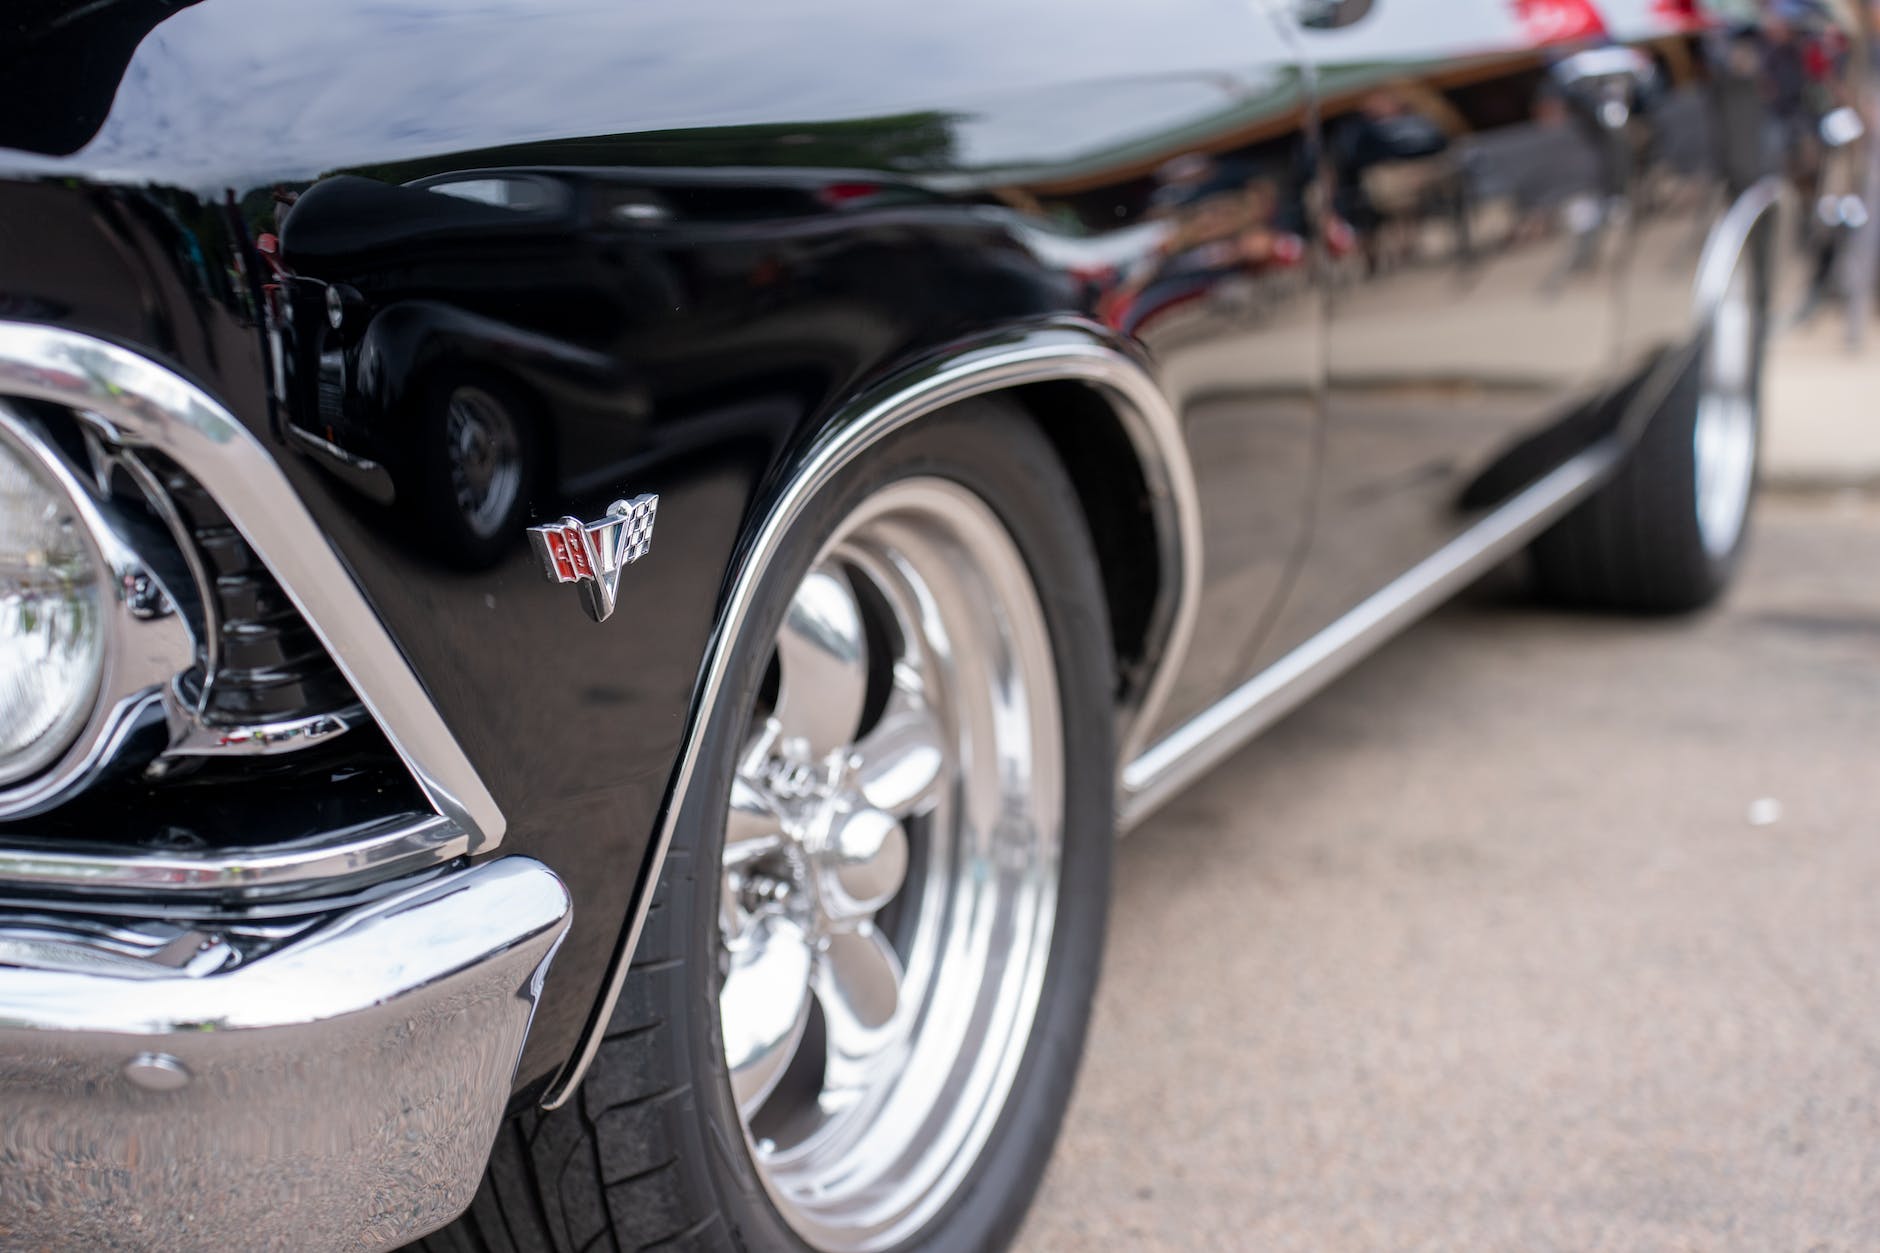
column 147, row 405
column 339, row 1091
column 1214, row 734
column 1189, row 751
column 1058, row 354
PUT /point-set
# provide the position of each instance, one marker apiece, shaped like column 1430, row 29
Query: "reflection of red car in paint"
column 1559, row 21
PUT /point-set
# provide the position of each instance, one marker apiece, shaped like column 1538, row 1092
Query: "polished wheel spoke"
column 753, row 825
column 822, row 657
column 861, row 861
column 764, row 1006
column 858, row 983
column 904, row 758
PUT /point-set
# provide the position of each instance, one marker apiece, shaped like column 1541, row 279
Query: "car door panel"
column 1470, row 213
column 1227, row 307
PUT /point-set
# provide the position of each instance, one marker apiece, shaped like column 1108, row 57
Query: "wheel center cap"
column 859, row 858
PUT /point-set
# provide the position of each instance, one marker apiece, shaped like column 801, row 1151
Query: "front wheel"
column 861, row 995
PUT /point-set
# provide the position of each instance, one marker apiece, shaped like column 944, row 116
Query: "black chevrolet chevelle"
column 584, row 587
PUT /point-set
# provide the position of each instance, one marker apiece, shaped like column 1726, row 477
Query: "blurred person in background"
column 1863, row 254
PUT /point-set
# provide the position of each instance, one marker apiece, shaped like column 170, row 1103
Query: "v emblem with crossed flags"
column 591, row 554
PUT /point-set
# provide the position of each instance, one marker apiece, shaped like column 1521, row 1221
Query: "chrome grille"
column 268, row 666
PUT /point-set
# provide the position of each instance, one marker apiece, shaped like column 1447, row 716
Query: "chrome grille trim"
column 333, row 862
column 202, row 705
column 262, row 665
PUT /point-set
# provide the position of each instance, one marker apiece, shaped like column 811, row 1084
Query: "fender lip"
column 1063, row 350
column 1731, row 233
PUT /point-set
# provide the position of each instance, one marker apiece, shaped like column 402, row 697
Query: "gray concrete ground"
column 1824, row 404
column 1534, row 932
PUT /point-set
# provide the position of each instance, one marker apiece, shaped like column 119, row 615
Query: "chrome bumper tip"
column 339, row 1090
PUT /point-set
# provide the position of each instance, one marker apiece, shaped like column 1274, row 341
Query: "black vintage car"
column 584, row 588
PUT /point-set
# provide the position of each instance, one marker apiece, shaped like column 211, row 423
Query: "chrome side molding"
column 146, row 405
column 1212, row 735
column 1070, row 352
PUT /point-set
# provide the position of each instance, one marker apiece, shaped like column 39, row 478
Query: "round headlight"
column 53, row 601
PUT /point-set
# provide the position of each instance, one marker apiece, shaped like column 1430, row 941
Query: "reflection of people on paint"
column 1863, row 255
column 1784, row 75
column 1799, row 53
column 1223, row 222
column 1385, row 158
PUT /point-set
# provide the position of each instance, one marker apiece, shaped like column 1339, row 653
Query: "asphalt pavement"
column 1536, row 931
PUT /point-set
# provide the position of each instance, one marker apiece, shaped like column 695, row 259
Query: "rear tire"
column 653, row 1152
column 1665, row 536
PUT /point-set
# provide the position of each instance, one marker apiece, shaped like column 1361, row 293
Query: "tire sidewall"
column 1676, row 442
column 1635, row 545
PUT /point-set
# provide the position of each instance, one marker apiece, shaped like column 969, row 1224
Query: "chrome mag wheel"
column 890, row 867
column 485, row 459
column 1724, row 435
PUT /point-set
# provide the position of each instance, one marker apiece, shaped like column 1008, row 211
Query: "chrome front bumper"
column 333, row 1084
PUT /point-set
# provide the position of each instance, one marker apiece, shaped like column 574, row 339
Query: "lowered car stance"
column 586, row 588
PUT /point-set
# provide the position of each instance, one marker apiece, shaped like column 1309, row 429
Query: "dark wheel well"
column 1091, row 441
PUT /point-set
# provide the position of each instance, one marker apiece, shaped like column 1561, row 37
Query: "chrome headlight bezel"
column 60, row 588
column 146, row 640
column 140, row 407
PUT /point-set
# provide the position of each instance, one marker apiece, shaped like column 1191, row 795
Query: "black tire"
column 1635, row 545
column 650, row 1153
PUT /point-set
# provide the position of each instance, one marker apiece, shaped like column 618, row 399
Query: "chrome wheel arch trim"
column 1730, row 236
column 151, row 406
column 1069, row 351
